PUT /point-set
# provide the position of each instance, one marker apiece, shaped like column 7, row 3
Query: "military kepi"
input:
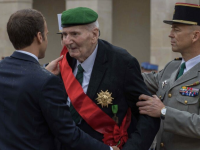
column 78, row 16
column 185, row 13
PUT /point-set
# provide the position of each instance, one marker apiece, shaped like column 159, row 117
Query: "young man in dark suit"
column 32, row 100
column 108, row 82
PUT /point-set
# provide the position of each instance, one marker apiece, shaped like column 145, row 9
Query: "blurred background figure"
column 147, row 67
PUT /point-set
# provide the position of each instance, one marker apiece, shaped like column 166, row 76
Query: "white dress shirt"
column 191, row 63
column 27, row 53
column 87, row 65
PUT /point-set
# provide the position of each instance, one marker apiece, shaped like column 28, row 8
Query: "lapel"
column 192, row 73
column 174, row 74
column 25, row 57
column 99, row 69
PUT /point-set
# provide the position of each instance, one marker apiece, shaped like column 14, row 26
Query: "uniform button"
column 169, row 95
column 186, row 101
column 160, row 96
column 162, row 144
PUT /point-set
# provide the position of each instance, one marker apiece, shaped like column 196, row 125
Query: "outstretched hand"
column 53, row 66
column 150, row 105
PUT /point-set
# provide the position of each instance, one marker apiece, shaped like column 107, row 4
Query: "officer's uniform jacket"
column 180, row 130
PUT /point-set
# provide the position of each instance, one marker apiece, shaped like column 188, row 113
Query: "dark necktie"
column 79, row 76
column 181, row 70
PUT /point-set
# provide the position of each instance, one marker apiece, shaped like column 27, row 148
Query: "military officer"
column 177, row 85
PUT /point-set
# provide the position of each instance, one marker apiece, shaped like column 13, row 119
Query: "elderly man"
column 177, row 85
column 107, row 81
column 33, row 111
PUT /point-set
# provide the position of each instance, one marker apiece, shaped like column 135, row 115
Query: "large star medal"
column 104, row 98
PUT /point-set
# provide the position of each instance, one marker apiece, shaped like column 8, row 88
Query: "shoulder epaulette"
column 178, row 58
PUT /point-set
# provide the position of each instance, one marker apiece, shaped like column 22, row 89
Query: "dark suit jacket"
column 33, row 110
column 118, row 72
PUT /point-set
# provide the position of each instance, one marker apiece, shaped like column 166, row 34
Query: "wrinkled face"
column 79, row 41
column 44, row 43
column 181, row 37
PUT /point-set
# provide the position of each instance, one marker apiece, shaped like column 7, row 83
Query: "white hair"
column 93, row 25
column 96, row 24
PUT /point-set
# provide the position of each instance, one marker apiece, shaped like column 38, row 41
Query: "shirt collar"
column 27, row 53
column 191, row 63
column 88, row 64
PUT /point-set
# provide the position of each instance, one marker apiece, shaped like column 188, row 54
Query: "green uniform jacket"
column 180, row 130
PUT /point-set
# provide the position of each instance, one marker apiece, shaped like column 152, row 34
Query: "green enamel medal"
column 115, row 110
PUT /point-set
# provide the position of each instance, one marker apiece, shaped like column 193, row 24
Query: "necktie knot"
column 80, row 68
column 181, row 70
column 183, row 66
column 79, row 75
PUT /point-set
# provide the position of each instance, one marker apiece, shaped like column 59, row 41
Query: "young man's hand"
column 53, row 66
column 115, row 148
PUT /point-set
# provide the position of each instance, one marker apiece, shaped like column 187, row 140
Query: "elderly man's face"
column 80, row 41
column 181, row 37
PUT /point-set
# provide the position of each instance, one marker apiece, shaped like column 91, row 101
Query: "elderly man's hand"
column 115, row 148
column 150, row 105
column 53, row 66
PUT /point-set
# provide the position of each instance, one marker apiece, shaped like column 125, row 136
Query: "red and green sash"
column 90, row 112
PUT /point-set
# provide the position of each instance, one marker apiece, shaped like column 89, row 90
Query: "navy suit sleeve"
column 147, row 127
column 58, row 117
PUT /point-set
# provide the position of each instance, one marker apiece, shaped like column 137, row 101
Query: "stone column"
column 7, row 7
column 104, row 10
column 161, row 52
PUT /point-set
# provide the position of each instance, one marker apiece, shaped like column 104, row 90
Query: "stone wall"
column 131, row 27
column 7, row 7
column 50, row 9
column 134, row 25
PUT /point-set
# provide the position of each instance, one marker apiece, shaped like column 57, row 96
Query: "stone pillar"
column 131, row 27
column 50, row 12
column 7, row 7
column 161, row 52
column 104, row 10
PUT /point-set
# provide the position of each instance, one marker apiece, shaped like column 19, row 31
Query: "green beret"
column 78, row 16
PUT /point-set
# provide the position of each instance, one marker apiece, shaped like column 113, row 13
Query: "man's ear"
column 95, row 35
column 196, row 36
column 39, row 37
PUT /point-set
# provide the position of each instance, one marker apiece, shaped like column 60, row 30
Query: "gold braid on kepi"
column 185, row 13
